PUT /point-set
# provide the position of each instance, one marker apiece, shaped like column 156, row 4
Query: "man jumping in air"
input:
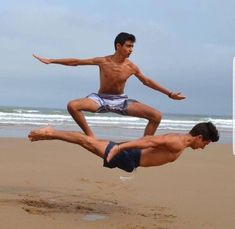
column 146, row 151
column 115, row 70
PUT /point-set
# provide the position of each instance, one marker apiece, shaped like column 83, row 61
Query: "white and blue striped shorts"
column 111, row 103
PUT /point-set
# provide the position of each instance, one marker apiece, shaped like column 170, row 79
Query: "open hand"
column 43, row 60
column 176, row 96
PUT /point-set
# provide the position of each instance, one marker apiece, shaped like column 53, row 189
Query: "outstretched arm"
column 174, row 143
column 69, row 61
column 152, row 84
column 142, row 143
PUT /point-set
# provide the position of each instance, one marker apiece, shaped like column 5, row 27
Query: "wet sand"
column 52, row 184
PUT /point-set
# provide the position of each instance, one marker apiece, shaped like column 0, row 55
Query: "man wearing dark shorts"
column 127, row 160
column 144, row 152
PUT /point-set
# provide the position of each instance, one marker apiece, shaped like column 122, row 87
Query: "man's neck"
column 117, row 58
column 188, row 140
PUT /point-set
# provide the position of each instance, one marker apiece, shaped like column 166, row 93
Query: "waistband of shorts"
column 110, row 96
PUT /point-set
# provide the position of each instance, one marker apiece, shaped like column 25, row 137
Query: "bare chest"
column 115, row 72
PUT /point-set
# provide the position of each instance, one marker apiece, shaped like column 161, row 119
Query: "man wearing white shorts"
column 115, row 70
column 111, row 103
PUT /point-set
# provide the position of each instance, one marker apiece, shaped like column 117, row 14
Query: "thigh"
column 140, row 110
column 85, row 104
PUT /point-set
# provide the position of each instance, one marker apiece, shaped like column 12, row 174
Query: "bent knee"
column 73, row 106
column 156, row 117
column 70, row 105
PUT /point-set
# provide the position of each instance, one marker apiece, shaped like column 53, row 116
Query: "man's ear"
column 200, row 137
column 118, row 46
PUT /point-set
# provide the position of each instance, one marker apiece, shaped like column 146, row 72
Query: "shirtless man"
column 115, row 70
column 146, row 151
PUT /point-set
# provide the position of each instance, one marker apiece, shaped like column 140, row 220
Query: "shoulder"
column 99, row 60
column 133, row 66
column 176, row 141
column 104, row 60
column 172, row 141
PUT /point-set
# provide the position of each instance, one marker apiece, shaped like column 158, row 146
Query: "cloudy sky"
column 185, row 45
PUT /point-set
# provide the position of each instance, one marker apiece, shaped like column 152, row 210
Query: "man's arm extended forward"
column 152, row 84
column 142, row 143
column 69, row 61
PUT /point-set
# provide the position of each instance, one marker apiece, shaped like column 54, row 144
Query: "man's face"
column 200, row 143
column 125, row 49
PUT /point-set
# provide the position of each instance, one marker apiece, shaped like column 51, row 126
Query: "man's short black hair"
column 122, row 37
column 207, row 130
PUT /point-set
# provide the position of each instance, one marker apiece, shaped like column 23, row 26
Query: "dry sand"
column 53, row 184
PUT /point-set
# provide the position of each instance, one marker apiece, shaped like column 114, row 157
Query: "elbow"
column 146, row 83
column 73, row 63
column 151, row 143
column 172, row 158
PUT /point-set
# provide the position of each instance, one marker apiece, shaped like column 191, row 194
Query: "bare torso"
column 113, row 76
column 163, row 154
column 155, row 157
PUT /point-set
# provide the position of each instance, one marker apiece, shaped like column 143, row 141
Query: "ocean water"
column 18, row 121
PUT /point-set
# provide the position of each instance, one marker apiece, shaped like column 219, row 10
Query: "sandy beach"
column 52, row 184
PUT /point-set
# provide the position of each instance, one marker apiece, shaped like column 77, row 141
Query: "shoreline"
column 104, row 133
column 18, row 121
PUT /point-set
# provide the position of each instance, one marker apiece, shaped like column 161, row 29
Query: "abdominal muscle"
column 113, row 77
column 153, row 157
column 111, row 88
column 112, row 85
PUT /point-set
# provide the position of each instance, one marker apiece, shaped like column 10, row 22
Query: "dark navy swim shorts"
column 127, row 160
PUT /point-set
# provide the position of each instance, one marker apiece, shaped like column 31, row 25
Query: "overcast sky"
column 184, row 45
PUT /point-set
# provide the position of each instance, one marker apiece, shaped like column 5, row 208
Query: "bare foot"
column 40, row 134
